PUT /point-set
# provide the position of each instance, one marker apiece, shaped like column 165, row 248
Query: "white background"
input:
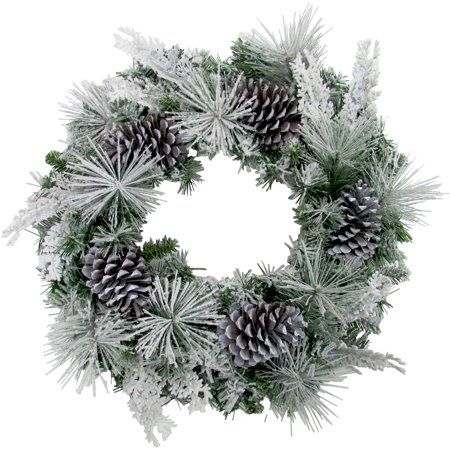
column 228, row 223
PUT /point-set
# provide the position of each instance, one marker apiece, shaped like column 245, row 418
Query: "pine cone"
column 121, row 281
column 256, row 333
column 357, row 236
column 274, row 108
column 155, row 135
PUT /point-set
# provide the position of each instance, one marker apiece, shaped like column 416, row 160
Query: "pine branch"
column 212, row 113
column 92, row 115
column 99, row 186
column 88, row 345
column 270, row 56
column 395, row 182
column 298, row 385
column 366, row 358
column 187, row 173
column 321, row 284
column 178, row 321
column 57, row 160
column 159, row 248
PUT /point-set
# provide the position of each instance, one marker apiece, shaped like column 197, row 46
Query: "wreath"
column 139, row 312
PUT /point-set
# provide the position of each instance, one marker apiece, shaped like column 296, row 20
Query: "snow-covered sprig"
column 319, row 213
column 139, row 47
column 338, row 148
column 309, row 179
column 334, row 140
column 322, row 284
column 145, row 387
column 89, row 345
column 126, row 187
column 92, row 114
column 170, row 64
column 313, row 92
column 213, row 113
column 179, row 320
column 51, row 257
column 113, row 237
column 399, row 189
column 299, row 386
column 147, row 93
column 366, row 358
column 271, row 55
column 42, row 205
column 185, row 384
column 365, row 306
column 240, row 288
column 362, row 94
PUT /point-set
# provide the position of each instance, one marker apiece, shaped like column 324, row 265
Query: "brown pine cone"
column 155, row 135
column 274, row 108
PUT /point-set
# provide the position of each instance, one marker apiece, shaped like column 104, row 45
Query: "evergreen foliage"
column 351, row 186
column 159, row 248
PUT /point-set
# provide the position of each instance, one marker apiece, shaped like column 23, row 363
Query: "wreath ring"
column 139, row 312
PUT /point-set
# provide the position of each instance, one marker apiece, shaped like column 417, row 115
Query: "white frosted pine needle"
column 301, row 381
column 178, row 321
column 337, row 139
column 321, row 283
column 273, row 54
column 307, row 178
column 214, row 112
column 88, row 346
column 89, row 111
column 300, row 386
column 114, row 236
column 125, row 187
column 233, row 392
column 400, row 191
column 366, row 358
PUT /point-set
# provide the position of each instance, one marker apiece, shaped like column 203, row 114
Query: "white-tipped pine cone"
column 156, row 135
column 255, row 333
column 274, row 108
column 358, row 235
column 121, row 281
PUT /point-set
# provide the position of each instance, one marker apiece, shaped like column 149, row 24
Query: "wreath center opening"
column 228, row 222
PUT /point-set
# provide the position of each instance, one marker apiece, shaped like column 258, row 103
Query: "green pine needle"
column 159, row 248
column 57, row 160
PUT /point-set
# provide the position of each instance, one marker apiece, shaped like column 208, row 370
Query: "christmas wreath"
column 139, row 312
